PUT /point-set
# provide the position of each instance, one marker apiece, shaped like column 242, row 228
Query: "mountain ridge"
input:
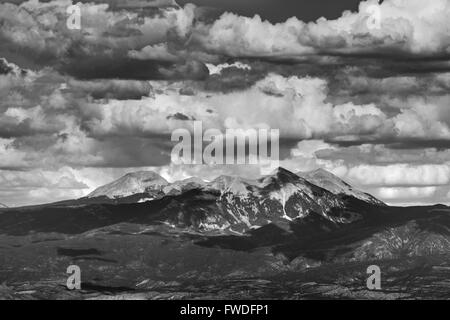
column 152, row 184
column 235, row 203
column 336, row 185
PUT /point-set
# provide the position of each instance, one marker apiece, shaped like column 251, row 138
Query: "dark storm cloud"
column 303, row 9
column 4, row 67
column 231, row 79
column 380, row 154
column 194, row 70
column 238, row 79
column 135, row 4
column 9, row 128
column 116, row 4
column 125, row 152
column 395, row 143
column 280, row 10
column 131, row 69
column 392, row 63
column 111, row 89
column 7, row 68
column 179, row 116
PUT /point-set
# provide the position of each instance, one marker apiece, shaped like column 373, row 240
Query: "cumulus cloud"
column 294, row 105
column 118, row 34
column 105, row 38
column 406, row 193
column 94, row 113
column 401, row 175
column 80, row 107
column 109, row 89
column 217, row 69
column 405, row 27
column 21, row 187
column 158, row 51
column 309, row 148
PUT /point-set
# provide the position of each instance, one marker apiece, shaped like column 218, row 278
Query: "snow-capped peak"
column 279, row 176
column 130, row 184
column 334, row 184
column 184, row 185
column 235, row 185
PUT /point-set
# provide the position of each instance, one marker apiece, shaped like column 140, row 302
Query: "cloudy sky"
column 80, row 108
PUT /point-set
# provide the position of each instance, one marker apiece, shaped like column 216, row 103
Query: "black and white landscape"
column 283, row 236
column 91, row 93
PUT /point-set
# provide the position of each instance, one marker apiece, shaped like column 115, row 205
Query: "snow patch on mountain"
column 145, row 200
column 235, row 185
column 283, row 195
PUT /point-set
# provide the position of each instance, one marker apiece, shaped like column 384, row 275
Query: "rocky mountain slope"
column 330, row 182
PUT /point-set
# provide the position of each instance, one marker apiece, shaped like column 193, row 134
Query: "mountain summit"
column 332, row 183
column 131, row 184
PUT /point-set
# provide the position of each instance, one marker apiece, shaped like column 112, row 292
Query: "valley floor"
column 144, row 264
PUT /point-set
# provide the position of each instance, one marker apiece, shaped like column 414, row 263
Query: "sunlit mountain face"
column 97, row 95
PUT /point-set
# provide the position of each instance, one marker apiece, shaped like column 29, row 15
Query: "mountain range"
column 233, row 203
column 229, row 228
column 154, row 186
